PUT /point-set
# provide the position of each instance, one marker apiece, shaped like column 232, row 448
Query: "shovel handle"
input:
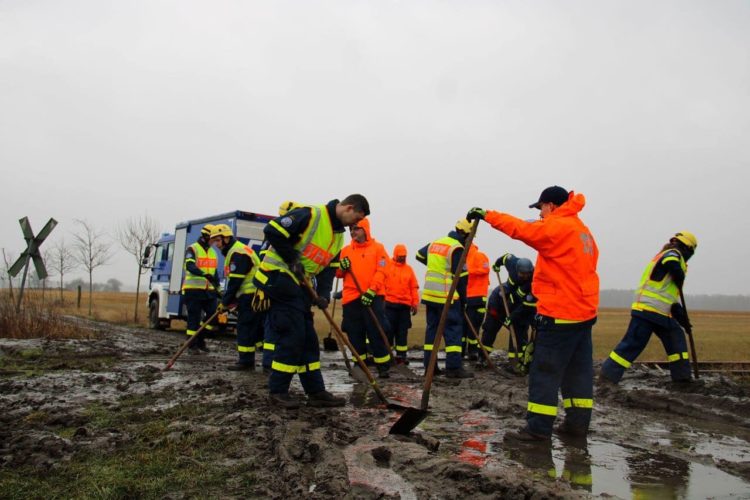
column 512, row 336
column 444, row 317
column 689, row 332
column 479, row 341
column 345, row 340
column 189, row 341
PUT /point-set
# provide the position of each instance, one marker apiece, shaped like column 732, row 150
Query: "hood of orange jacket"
column 399, row 250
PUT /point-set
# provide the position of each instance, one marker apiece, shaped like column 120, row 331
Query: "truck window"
column 170, row 251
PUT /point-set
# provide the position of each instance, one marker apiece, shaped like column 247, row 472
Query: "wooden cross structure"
column 31, row 254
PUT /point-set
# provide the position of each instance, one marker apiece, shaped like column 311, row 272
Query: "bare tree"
column 8, row 260
column 90, row 251
column 135, row 235
column 60, row 260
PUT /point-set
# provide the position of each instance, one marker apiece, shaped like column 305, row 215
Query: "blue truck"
column 166, row 259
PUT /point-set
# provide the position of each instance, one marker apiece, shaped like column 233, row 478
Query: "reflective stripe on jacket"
column 439, row 277
column 246, row 287
column 206, row 261
column 317, row 247
column 658, row 296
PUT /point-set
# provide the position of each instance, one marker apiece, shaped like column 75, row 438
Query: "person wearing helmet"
column 240, row 264
column 442, row 257
column 304, row 246
column 566, row 286
column 657, row 309
column 478, row 265
column 199, row 288
column 521, row 305
column 401, row 300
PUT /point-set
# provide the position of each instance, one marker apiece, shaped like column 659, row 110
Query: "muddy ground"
column 99, row 418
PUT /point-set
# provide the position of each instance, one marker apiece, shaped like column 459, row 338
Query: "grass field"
column 719, row 336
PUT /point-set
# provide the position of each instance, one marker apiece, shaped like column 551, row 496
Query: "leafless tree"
column 8, row 261
column 90, row 251
column 135, row 234
column 60, row 260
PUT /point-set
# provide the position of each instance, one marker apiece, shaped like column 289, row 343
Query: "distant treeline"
column 624, row 298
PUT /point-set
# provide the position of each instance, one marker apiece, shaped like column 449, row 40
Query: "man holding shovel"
column 303, row 245
column 442, row 258
column 567, row 288
column 657, row 309
column 362, row 266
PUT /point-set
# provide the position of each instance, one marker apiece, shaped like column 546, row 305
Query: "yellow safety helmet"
column 288, row 206
column 221, row 230
column 688, row 239
column 464, row 226
column 206, row 230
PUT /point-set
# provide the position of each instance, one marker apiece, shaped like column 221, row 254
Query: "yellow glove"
column 260, row 302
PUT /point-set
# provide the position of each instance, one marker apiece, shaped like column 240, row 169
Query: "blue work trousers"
column 454, row 329
column 399, row 322
column 200, row 305
column 642, row 325
column 249, row 330
column 562, row 362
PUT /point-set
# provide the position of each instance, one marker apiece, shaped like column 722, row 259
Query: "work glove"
column 298, row 270
column 678, row 313
column 338, row 295
column 525, row 361
column 213, row 279
column 345, row 264
column 476, row 213
column 368, row 297
column 221, row 307
column 321, row 302
column 498, row 265
column 260, row 301
column 507, row 322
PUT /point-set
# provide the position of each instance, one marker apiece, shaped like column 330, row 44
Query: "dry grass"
column 719, row 336
column 36, row 319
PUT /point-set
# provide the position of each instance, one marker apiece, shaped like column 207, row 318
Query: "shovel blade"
column 406, row 423
column 330, row 345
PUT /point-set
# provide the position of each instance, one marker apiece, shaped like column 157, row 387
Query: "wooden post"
column 79, row 296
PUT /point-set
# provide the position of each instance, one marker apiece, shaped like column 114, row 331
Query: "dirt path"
column 99, row 417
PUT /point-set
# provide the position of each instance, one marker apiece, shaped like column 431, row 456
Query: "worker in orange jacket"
column 478, row 265
column 366, row 259
column 567, row 288
column 401, row 300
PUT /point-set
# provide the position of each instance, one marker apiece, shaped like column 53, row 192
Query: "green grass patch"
column 154, row 461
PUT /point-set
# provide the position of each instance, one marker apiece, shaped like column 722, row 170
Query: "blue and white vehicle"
column 166, row 259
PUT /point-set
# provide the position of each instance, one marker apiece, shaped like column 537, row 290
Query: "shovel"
column 512, row 336
column 189, row 341
column 689, row 331
column 401, row 369
column 329, row 344
column 345, row 340
column 412, row 417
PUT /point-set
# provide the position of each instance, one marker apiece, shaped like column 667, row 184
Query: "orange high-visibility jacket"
column 565, row 279
column 478, row 265
column 369, row 260
column 401, row 285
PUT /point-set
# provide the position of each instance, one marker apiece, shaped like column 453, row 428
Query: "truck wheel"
column 153, row 315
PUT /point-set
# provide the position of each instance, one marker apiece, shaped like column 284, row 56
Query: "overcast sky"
column 182, row 109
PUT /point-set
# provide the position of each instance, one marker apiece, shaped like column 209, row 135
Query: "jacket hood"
column 575, row 203
column 364, row 224
column 399, row 250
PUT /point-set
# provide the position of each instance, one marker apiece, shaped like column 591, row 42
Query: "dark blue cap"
column 553, row 194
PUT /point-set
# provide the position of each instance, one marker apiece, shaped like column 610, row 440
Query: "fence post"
column 79, row 296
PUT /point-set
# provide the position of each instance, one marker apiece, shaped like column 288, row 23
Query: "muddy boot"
column 383, row 371
column 570, row 431
column 283, row 400
column 473, row 356
column 525, row 436
column 324, row 399
column 438, row 371
column 241, row 367
column 195, row 351
column 458, row 373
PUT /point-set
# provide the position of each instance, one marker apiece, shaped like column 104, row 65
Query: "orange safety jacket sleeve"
column 414, row 288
